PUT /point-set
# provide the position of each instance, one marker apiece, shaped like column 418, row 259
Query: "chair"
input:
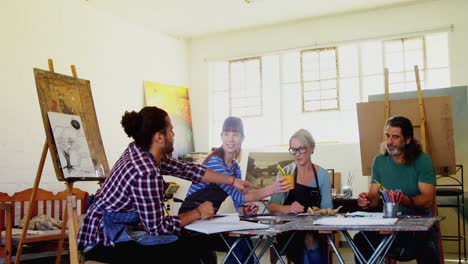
column 5, row 225
column 36, row 244
column 451, row 186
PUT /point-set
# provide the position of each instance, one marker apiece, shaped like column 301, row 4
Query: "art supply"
column 281, row 170
column 290, row 179
column 390, row 210
column 391, row 196
column 381, row 187
column 391, row 199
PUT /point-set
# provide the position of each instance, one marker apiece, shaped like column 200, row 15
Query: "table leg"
column 332, row 244
column 379, row 252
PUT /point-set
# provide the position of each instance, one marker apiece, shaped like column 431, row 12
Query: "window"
column 319, row 79
column 400, row 57
column 317, row 89
column 245, row 87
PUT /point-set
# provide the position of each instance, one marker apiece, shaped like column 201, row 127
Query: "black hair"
column 143, row 125
column 413, row 148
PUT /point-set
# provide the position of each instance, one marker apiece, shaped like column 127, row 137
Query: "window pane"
column 329, row 104
column 373, row 84
column 348, row 61
column 311, row 105
column 220, row 105
column 329, row 94
column 371, row 57
column 437, row 50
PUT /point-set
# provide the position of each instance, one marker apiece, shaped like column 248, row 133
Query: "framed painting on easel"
column 64, row 94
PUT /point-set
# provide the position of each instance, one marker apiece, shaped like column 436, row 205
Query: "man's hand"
column 363, row 200
column 242, row 186
column 206, row 210
column 296, row 208
column 250, row 208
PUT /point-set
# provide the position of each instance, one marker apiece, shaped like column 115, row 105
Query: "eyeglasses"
column 301, row 150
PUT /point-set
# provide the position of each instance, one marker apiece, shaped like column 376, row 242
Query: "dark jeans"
column 420, row 246
column 214, row 242
column 180, row 251
column 296, row 251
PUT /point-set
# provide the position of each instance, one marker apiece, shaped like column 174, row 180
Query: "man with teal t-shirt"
column 403, row 166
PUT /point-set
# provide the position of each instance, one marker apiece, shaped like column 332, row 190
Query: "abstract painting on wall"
column 175, row 101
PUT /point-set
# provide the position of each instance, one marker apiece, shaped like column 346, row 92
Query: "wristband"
column 233, row 180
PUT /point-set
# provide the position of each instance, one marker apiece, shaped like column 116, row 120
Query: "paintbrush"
column 381, row 187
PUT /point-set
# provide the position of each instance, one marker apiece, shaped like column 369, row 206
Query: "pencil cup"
column 290, row 179
column 390, row 210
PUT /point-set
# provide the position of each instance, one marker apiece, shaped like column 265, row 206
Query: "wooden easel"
column 70, row 215
column 422, row 112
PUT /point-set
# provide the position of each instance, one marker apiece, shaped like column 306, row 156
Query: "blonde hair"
column 305, row 137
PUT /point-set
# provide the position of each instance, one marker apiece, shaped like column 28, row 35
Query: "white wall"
column 116, row 56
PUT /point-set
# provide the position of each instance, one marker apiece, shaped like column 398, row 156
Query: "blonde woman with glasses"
column 312, row 188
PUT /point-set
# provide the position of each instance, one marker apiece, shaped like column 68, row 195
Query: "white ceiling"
column 194, row 18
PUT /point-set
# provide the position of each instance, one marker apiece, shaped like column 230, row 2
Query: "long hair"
column 143, row 125
column 231, row 124
column 413, row 148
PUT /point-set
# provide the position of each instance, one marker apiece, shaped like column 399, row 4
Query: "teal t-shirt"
column 397, row 176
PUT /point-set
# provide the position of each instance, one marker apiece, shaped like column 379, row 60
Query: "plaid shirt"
column 136, row 184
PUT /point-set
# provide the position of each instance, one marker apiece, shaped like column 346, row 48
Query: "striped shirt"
column 216, row 163
column 136, row 184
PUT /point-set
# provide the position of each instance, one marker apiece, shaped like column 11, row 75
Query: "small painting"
column 72, row 147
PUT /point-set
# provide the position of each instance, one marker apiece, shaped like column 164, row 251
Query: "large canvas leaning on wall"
column 459, row 95
column 261, row 166
column 175, row 101
column 439, row 124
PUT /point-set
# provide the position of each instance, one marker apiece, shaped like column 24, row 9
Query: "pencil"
column 281, row 170
column 381, row 187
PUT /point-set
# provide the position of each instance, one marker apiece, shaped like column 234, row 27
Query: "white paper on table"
column 223, row 223
column 365, row 214
column 349, row 221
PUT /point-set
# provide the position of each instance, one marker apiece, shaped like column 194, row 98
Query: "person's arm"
column 248, row 209
column 325, row 188
column 369, row 199
column 204, row 211
column 279, row 186
column 219, row 178
column 294, row 208
column 424, row 200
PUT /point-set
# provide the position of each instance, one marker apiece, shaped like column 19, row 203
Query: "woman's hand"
column 281, row 185
column 296, row 208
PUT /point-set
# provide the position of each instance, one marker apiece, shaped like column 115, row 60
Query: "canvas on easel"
column 67, row 98
column 72, row 147
column 69, row 95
